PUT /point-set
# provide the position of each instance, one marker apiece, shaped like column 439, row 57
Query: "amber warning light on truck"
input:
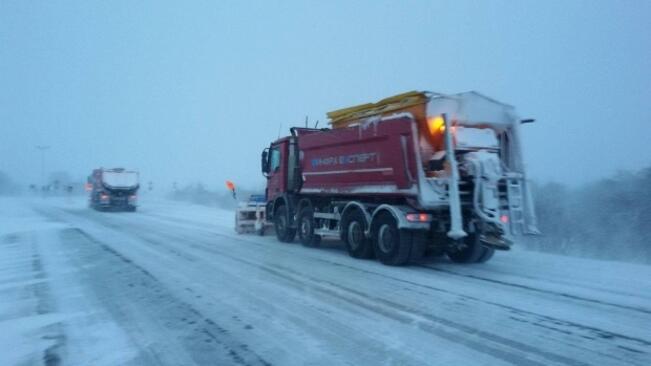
column 435, row 124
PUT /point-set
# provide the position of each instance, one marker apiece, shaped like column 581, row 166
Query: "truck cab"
column 275, row 163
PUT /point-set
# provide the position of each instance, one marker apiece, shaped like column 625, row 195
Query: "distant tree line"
column 607, row 219
column 58, row 183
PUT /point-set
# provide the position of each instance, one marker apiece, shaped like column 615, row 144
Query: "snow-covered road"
column 173, row 284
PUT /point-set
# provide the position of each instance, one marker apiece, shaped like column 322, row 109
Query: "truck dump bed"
column 368, row 157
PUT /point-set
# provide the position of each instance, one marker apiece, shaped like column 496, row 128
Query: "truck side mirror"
column 265, row 161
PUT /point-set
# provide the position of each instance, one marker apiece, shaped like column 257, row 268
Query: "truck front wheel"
column 284, row 233
column 358, row 245
column 392, row 246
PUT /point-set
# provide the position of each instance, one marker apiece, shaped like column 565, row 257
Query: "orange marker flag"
column 231, row 187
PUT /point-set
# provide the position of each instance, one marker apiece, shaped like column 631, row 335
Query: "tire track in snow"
column 45, row 305
column 541, row 320
column 33, row 298
column 238, row 353
column 208, row 247
column 564, row 295
column 596, row 331
column 181, row 315
column 376, row 348
column 517, row 352
column 530, row 288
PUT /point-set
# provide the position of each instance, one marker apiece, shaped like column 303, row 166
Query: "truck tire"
column 471, row 253
column 392, row 245
column 284, row 233
column 357, row 244
column 419, row 244
column 306, row 228
column 487, row 255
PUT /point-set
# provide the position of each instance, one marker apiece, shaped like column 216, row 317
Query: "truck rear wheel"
column 392, row 246
column 306, row 228
column 472, row 251
column 488, row 254
column 357, row 244
column 284, row 233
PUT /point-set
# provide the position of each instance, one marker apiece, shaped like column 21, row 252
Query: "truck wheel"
column 306, row 228
column 358, row 245
column 283, row 232
column 472, row 251
column 488, row 254
column 392, row 246
column 419, row 244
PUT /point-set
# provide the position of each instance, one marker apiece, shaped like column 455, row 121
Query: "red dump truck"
column 414, row 173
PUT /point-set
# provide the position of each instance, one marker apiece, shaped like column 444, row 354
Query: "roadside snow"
column 174, row 284
column 43, row 307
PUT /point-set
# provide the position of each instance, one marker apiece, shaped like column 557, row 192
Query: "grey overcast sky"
column 193, row 90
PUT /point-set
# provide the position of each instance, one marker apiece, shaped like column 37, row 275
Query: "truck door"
column 277, row 181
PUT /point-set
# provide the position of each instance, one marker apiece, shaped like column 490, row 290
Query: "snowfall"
column 173, row 284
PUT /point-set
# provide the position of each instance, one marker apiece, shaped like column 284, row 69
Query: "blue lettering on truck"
column 344, row 159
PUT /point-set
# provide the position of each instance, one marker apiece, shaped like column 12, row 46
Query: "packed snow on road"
column 173, row 284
